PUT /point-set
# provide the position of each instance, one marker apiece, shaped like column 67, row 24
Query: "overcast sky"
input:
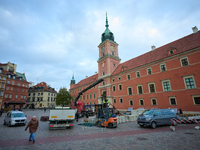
column 49, row 40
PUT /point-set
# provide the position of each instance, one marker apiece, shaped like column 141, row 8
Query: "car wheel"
column 4, row 123
column 98, row 124
column 141, row 125
column 153, row 125
column 110, row 125
column 9, row 124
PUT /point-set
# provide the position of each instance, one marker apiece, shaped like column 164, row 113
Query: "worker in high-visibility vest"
column 105, row 103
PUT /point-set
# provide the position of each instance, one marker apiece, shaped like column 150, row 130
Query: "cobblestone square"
column 128, row 135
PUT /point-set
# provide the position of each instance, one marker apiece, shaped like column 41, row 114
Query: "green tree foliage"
column 63, row 97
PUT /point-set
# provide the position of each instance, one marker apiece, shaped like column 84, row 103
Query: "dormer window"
column 9, row 76
column 171, row 50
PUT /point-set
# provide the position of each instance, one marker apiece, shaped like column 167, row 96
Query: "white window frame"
column 166, row 80
column 148, row 72
column 170, row 100
column 130, row 100
column 165, row 67
column 141, row 99
column 149, row 87
column 120, row 100
column 152, row 101
column 119, row 88
column 189, row 76
column 187, row 61
column 129, row 76
column 138, row 89
column 139, row 74
column 128, row 90
column 193, row 96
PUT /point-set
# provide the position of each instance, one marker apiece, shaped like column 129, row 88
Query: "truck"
column 82, row 108
column 61, row 118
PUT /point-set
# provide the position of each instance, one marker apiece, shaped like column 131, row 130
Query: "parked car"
column 156, row 117
column 15, row 118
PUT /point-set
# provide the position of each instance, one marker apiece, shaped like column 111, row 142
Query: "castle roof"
column 181, row 45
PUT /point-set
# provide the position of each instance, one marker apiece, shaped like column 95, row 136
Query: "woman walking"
column 32, row 125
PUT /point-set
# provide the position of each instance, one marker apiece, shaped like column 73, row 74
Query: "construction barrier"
column 189, row 120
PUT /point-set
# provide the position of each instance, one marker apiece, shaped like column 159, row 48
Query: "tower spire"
column 106, row 21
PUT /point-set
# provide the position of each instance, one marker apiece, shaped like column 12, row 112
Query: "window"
column 22, row 90
column 94, row 95
column 4, row 78
column 139, row 87
column 154, row 101
column 103, row 73
column 113, row 65
column 184, row 62
column 129, row 90
column 113, row 88
column 120, row 87
column 151, row 88
column 38, row 99
column 12, row 82
column 103, row 83
column 119, row 78
column 166, row 85
column 128, row 76
column 8, row 82
column 121, row 100
column 141, row 102
column 172, row 100
column 11, row 88
column 196, row 99
column 1, row 93
column 114, row 100
column 24, row 97
column 90, row 96
column 33, row 99
column 10, row 96
column 149, row 71
column 48, row 99
column 7, row 88
column 138, row 74
column 87, row 96
column 38, row 94
column 189, row 82
column 18, row 84
column 6, row 95
column 2, row 85
column 21, row 97
column 41, row 93
column 113, row 80
column 131, row 102
column 163, row 67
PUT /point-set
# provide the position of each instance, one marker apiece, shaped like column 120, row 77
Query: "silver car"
column 15, row 118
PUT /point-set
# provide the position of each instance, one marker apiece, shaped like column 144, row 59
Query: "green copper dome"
column 73, row 81
column 107, row 33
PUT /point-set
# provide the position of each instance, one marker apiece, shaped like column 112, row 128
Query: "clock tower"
column 108, row 58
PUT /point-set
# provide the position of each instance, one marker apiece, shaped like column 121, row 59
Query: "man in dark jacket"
column 32, row 125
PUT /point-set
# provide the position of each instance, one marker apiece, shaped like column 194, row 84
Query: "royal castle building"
column 165, row 77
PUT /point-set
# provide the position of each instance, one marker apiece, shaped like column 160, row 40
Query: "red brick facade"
column 168, row 77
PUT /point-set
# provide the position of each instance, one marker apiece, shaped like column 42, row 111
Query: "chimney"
column 86, row 76
column 153, row 48
column 95, row 72
column 195, row 29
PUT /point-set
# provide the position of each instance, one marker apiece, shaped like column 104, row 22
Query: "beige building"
column 41, row 95
column 3, row 78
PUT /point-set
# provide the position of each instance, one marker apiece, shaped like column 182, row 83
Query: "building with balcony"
column 41, row 95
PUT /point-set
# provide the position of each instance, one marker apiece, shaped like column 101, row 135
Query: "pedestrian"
column 1, row 112
column 44, row 109
column 77, row 116
column 32, row 125
column 87, row 114
column 180, row 111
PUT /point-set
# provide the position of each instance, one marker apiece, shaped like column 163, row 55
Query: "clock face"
column 103, row 48
column 112, row 48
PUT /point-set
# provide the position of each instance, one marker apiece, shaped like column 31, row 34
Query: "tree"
column 63, row 97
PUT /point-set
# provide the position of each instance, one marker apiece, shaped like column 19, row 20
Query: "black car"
column 156, row 117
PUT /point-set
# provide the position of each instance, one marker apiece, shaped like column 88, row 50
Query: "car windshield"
column 17, row 115
column 148, row 112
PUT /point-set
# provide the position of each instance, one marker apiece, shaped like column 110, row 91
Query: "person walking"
column 77, row 116
column 44, row 109
column 32, row 125
column 1, row 112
